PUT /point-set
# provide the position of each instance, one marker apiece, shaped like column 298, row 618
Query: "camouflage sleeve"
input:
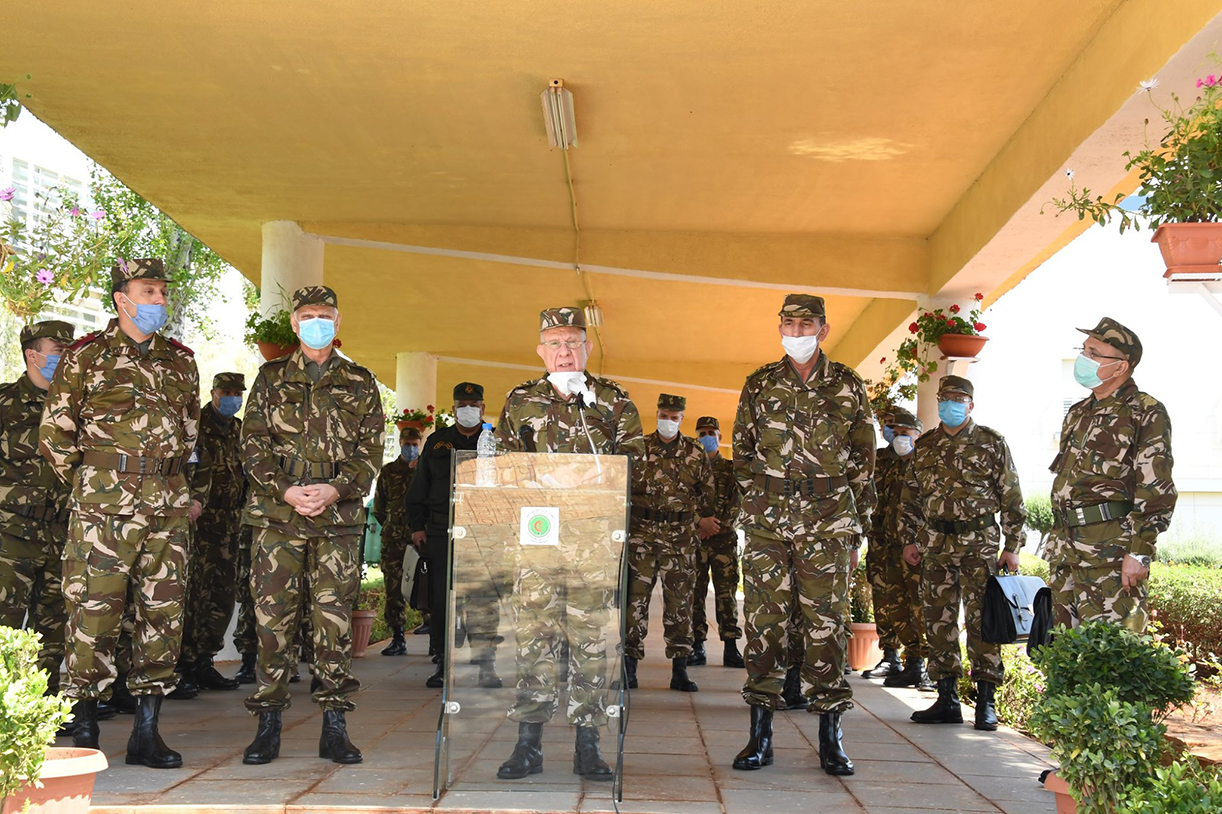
column 1154, row 493
column 1013, row 512
column 190, row 416
column 200, row 474
column 356, row 474
column 746, row 438
column 629, row 440
column 261, row 467
column 862, row 449
column 57, row 434
column 911, row 514
column 379, row 501
column 706, row 497
column 421, row 486
column 506, row 433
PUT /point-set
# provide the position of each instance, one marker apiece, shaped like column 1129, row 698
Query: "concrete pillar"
column 291, row 259
column 416, row 381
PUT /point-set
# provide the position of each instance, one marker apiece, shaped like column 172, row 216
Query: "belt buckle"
column 789, row 487
column 122, row 462
column 1080, row 513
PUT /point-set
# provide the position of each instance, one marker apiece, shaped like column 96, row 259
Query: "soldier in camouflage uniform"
column 567, row 410
column 245, row 640
column 33, row 502
column 672, row 503
column 894, row 583
column 119, row 426
column 312, row 444
column 390, row 510
column 960, row 478
column 1112, row 494
column 803, row 456
column 718, row 553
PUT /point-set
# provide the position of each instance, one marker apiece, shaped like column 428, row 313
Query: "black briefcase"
column 420, row 599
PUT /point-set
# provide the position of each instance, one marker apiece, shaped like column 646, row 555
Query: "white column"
column 416, row 381
column 291, row 259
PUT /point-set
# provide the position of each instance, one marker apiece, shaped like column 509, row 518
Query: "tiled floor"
column 677, row 756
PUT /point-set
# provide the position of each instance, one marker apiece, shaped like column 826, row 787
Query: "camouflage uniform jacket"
column 726, row 497
column 961, row 477
column 109, row 398
column 219, row 469
column 335, row 424
column 673, row 477
column 390, row 499
column 1118, row 449
column 613, row 422
column 787, row 428
column 27, row 481
column 889, row 473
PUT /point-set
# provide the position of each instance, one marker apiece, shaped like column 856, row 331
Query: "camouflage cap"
column 707, row 422
column 468, row 391
column 314, row 295
column 229, row 381
column 48, row 329
column 1119, row 337
column 142, row 268
column 566, row 317
column 409, row 434
column 902, row 419
column 956, row 384
column 803, row 306
column 668, row 402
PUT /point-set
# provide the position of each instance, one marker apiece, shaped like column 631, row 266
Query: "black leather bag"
column 420, row 599
column 1009, row 608
column 1041, row 625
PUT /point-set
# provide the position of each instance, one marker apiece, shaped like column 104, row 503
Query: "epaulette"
column 85, row 340
column 610, row 385
column 279, row 360
column 179, row 345
column 1148, row 402
column 765, row 369
column 990, row 431
column 927, row 433
column 840, row 367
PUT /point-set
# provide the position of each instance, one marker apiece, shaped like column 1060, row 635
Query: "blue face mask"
column 709, row 442
column 952, row 413
column 229, row 406
column 1086, row 371
column 316, row 332
column 149, row 319
column 48, row 369
column 410, row 452
column 888, row 434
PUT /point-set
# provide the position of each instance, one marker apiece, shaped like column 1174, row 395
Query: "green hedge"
column 373, row 597
column 1186, row 604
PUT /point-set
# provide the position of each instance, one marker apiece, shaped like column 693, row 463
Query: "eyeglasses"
column 556, row 344
column 1095, row 357
column 958, row 399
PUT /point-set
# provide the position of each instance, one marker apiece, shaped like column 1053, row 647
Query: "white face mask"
column 668, row 429
column 902, row 444
column 469, row 416
column 568, row 381
column 800, row 348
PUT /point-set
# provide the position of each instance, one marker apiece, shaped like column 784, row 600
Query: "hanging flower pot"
column 274, row 350
column 964, row 346
column 410, row 425
column 1190, row 248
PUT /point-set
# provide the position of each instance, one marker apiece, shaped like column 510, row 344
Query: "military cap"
column 902, row 419
column 803, row 306
column 409, row 434
column 142, row 268
column 468, row 391
column 707, row 422
column 956, row 384
column 229, row 381
column 1119, row 337
column 314, row 295
column 562, row 318
column 668, row 402
column 48, row 329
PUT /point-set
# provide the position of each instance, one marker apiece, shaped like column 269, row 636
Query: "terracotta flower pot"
column 67, row 783
column 961, row 345
column 1190, row 248
column 362, row 628
column 272, row 350
column 403, row 425
column 863, row 646
column 1066, row 804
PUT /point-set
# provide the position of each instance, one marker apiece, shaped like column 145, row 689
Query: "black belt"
column 133, row 464
column 43, row 513
column 984, row 521
column 660, row 515
column 1087, row 515
column 315, row 470
column 801, row 486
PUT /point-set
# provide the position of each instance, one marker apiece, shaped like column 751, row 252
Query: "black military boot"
column 791, row 691
column 121, row 697
column 295, row 676
column 831, row 751
column 334, row 743
column 698, row 658
column 488, row 679
column 731, row 657
column 912, row 675
column 758, row 752
column 208, row 678
column 890, row 665
column 266, row 746
column 946, row 709
column 630, row 669
column 145, row 746
column 986, row 714
column 678, row 676
column 527, row 757
column 246, row 673
column 587, row 761
column 438, row 678
column 398, row 644
column 186, row 689
column 85, row 728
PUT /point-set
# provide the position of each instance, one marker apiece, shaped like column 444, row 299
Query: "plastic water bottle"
column 485, row 451
column 486, row 445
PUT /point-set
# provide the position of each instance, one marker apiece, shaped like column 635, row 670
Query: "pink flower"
column 7, row 194
column 75, row 211
column 1210, row 80
column 1199, row 83
column 45, row 277
column 98, row 215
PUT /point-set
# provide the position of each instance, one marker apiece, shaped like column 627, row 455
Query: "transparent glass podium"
column 535, row 631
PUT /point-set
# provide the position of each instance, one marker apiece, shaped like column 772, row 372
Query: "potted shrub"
column 955, row 336
column 272, row 335
column 411, row 417
column 863, row 641
column 1180, row 184
column 1184, row 786
column 1107, row 690
column 31, row 771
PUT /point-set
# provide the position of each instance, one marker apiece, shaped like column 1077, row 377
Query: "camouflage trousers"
column 557, row 611
column 895, row 588
column 244, row 637
column 949, row 578
column 719, row 555
column 392, row 569
column 287, row 568
column 1084, row 575
column 31, row 576
column 107, row 555
column 667, row 554
column 810, row 573
column 211, row 590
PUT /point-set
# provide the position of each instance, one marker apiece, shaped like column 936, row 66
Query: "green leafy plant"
column 10, row 102
column 1184, row 787
column 1187, row 604
column 28, row 716
column 861, row 597
column 276, row 328
column 425, row 416
column 1039, row 517
column 443, row 418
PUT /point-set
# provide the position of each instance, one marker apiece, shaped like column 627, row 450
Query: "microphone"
column 577, row 387
column 527, row 434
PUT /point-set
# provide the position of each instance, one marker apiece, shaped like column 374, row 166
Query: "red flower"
column 950, row 321
column 880, row 361
column 979, row 297
column 954, row 309
column 428, row 407
column 912, row 328
column 980, row 326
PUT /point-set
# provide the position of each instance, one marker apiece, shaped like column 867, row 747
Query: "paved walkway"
column 677, row 756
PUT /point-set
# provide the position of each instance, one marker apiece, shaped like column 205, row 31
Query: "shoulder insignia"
column 926, row 434
column 990, row 431
column 610, row 385
column 85, row 340
column 1148, row 402
column 842, row 369
column 179, row 345
column 279, row 360
column 765, row 369
column 443, row 445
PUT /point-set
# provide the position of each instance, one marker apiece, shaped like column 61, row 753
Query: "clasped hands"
column 311, row 500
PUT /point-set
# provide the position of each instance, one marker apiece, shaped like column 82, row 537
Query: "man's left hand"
column 195, row 511
column 1132, row 573
column 319, row 497
column 1007, row 560
column 707, row 527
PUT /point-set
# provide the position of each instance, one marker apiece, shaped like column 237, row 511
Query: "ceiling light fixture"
column 558, row 115
column 594, row 315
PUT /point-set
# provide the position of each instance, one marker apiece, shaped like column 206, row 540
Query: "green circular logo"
column 539, row 526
